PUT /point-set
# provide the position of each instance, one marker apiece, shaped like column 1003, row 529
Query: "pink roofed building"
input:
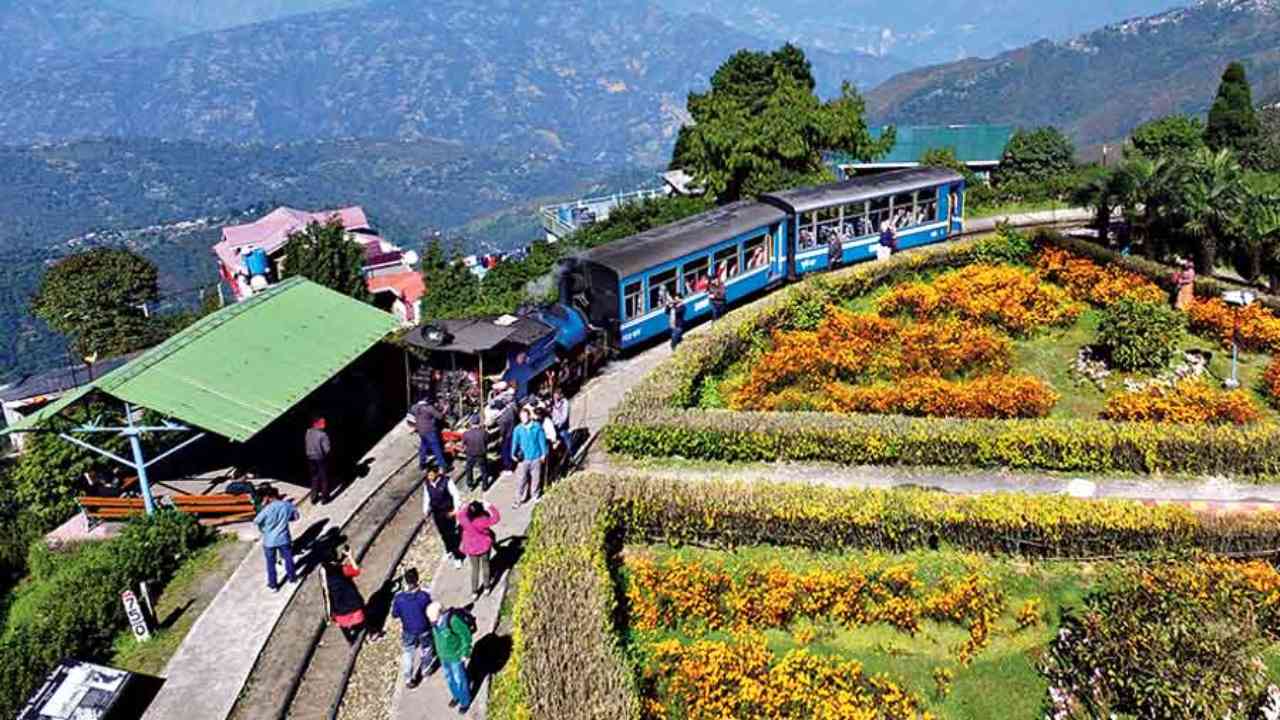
column 250, row 257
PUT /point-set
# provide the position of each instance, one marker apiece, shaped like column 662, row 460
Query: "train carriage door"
column 955, row 207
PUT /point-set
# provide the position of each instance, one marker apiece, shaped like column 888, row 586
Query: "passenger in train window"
column 716, row 290
column 835, row 251
column 757, row 259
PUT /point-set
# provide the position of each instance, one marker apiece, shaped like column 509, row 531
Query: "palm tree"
column 1143, row 196
column 1098, row 191
column 1210, row 196
column 1262, row 232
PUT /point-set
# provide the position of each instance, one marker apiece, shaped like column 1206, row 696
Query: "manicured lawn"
column 186, row 596
column 1051, row 355
column 1002, row 677
column 984, row 211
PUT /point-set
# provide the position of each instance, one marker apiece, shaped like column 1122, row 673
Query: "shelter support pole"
column 139, row 465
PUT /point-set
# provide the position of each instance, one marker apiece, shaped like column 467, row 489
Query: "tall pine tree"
column 1233, row 123
column 323, row 254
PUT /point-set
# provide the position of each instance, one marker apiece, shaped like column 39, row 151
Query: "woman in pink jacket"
column 476, row 520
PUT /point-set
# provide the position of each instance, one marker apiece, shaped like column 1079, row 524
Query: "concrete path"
column 452, row 587
column 1056, row 216
column 205, row 676
column 1202, row 493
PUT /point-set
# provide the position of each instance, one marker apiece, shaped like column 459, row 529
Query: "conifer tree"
column 323, row 254
column 1233, row 123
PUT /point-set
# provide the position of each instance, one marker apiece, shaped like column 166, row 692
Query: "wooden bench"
column 217, row 509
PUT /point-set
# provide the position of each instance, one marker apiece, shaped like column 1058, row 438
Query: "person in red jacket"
column 477, row 520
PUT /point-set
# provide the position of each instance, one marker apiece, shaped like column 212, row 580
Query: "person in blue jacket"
column 529, row 444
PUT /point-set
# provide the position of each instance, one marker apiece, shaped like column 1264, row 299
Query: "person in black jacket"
column 439, row 500
column 476, row 442
column 342, row 600
column 426, row 421
column 318, row 450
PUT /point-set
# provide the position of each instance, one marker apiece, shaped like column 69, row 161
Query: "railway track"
column 306, row 669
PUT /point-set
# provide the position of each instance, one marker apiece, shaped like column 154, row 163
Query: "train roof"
column 683, row 237
column 861, row 188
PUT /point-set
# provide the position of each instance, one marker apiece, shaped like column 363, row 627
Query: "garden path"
column 451, row 587
column 205, row 676
column 1220, row 494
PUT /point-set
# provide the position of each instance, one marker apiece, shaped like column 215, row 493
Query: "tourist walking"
column 440, row 500
column 409, row 606
column 675, row 319
column 529, row 445
column 453, row 646
column 889, row 237
column 507, row 427
column 560, row 407
column 477, row 520
column 1184, row 283
column 552, row 462
column 426, row 421
column 318, row 450
column 273, row 522
column 342, row 600
column 476, row 442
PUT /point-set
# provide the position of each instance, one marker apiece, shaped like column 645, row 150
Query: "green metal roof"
column 235, row 371
column 970, row 143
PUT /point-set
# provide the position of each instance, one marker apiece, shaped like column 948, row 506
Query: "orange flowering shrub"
column 1007, row 296
column 1271, row 379
column 676, row 591
column 1256, row 327
column 719, row 680
column 856, row 348
column 989, row 396
column 1187, row 401
column 1086, row 280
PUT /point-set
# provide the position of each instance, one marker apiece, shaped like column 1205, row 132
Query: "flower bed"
column 569, row 612
column 1186, row 401
column 655, row 420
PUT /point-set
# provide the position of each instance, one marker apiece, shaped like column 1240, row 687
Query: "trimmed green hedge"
column 70, row 606
column 569, row 661
column 655, row 419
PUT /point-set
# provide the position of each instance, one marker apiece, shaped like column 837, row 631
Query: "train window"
column 696, row 275
column 631, row 301
column 904, row 208
column 879, row 214
column 828, row 215
column 756, row 252
column 854, row 223
column 661, row 286
column 807, row 237
column 727, row 262
column 926, row 207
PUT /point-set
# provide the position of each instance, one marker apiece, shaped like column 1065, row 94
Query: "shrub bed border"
column 655, row 419
column 569, row 661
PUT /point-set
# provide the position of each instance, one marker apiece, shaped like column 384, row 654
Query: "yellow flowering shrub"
column 1187, row 401
column 723, row 680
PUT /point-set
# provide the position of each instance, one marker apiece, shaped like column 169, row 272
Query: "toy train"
column 754, row 247
column 613, row 296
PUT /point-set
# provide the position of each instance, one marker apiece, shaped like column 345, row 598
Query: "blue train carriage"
column 622, row 286
column 925, row 205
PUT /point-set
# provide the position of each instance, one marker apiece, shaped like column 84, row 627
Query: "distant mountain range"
column 169, row 199
column 585, row 79
column 1100, row 85
column 918, row 32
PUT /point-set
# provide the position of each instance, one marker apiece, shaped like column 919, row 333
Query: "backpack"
column 462, row 614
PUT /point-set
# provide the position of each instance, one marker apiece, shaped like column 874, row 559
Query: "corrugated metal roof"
column 861, row 188
column 234, row 372
column 970, row 143
column 669, row 242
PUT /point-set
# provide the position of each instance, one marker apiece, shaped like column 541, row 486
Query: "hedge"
column 655, row 419
column 569, row 659
column 69, row 606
